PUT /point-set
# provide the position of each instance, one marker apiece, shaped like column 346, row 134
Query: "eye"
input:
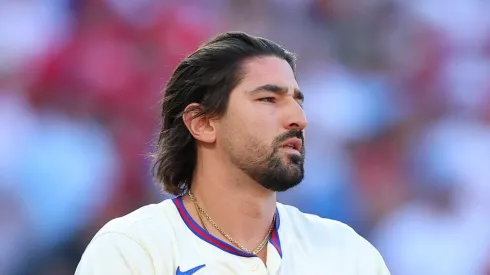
column 268, row 99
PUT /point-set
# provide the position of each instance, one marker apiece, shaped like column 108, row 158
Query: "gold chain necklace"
column 201, row 211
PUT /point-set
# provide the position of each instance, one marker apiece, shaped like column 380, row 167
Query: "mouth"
column 293, row 144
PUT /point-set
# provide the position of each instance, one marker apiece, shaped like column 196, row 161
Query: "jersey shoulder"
column 313, row 224
column 145, row 225
column 322, row 232
column 140, row 242
column 332, row 239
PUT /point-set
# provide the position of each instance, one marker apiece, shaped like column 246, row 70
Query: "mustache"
column 293, row 133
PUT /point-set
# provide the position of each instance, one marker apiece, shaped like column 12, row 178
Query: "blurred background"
column 397, row 97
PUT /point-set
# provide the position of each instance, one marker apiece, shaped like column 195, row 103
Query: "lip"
column 293, row 143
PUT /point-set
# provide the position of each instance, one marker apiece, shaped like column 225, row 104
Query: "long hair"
column 207, row 77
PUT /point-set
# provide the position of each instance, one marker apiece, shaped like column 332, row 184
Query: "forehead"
column 268, row 70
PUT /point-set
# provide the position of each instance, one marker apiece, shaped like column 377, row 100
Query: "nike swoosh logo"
column 190, row 271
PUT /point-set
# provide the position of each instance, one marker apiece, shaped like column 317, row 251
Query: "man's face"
column 262, row 131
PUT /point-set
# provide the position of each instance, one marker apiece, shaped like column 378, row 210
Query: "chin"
column 284, row 179
column 283, row 186
column 283, row 172
column 293, row 160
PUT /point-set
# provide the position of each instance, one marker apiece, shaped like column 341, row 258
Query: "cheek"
column 263, row 130
column 251, row 129
column 247, row 139
column 233, row 134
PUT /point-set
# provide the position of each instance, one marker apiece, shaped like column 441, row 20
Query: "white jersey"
column 163, row 239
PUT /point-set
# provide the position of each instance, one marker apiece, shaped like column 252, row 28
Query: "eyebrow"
column 278, row 90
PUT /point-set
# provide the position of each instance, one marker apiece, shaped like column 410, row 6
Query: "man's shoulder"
column 331, row 237
column 142, row 222
column 314, row 223
column 139, row 241
column 322, row 232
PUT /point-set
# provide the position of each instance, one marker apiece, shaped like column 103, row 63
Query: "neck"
column 240, row 206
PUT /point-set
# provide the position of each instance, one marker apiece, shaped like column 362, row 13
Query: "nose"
column 295, row 117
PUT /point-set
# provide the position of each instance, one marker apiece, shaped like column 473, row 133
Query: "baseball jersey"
column 163, row 239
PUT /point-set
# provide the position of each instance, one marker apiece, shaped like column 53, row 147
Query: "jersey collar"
column 205, row 236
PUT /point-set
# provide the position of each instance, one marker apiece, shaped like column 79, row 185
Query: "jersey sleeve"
column 115, row 253
column 371, row 261
column 381, row 268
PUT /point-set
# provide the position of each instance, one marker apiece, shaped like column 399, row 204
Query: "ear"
column 200, row 127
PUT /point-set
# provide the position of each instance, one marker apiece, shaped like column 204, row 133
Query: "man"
column 231, row 137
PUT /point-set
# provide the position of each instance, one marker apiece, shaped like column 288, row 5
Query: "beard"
column 273, row 171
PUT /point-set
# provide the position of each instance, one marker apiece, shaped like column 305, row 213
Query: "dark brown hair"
column 206, row 77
